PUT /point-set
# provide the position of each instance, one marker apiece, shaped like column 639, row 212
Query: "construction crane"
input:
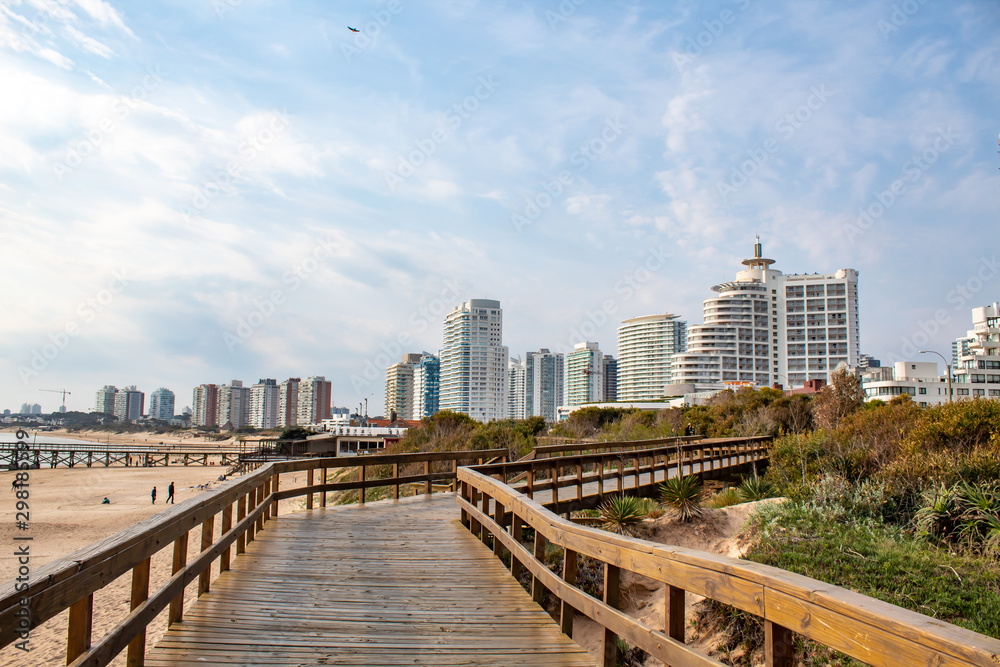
column 59, row 391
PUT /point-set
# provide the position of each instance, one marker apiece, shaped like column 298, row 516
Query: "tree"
column 838, row 399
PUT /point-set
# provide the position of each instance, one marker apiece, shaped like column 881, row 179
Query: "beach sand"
column 140, row 438
column 67, row 514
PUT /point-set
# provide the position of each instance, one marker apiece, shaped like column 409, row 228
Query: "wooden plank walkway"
column 386, row 583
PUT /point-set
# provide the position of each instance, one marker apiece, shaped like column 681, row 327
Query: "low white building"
column 918, row 379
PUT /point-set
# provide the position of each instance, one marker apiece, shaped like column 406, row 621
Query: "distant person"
column 153, row 494
column 170, row 494
column 689, row 430
column 105, row 501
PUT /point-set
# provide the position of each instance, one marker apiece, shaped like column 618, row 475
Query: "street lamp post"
column 946, row 365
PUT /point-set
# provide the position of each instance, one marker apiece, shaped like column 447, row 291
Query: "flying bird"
column 353, row 29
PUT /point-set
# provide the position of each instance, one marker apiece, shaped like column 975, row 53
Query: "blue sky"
column 200, row 191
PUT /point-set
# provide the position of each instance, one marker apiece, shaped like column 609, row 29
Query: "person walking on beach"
column 153, row 494
column 170, row 494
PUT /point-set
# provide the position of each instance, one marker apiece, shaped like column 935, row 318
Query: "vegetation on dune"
column 682, row 496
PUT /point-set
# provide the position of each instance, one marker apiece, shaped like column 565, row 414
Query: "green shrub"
column 724, row 498
column 755, row 488
column 682, row 495
column 620, row 514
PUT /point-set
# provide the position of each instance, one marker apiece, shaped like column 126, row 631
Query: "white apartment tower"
column 645, row 346
column 769, row 328
column 979, row 365
column 314, row 400
column 584, row 374
column 288, row 402
column 105, row 400
column 474, row 361
column 399, row 389
column 161, row 404
column 515, row 389
column 264, row 404
column 543, row 383
column 234, row 405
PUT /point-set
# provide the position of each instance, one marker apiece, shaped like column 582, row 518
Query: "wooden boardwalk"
column 387, row 583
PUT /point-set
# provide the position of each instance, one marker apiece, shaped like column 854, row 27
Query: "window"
column 962, row 392
column 977, row 377
column 923, row 390
column 978, row 392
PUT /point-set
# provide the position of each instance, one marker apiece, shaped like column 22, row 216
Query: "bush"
column 724, row 498
column 755, row 488
column 621, row 514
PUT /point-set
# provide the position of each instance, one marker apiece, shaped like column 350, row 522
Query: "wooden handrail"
column 872, row 631
column 71, row 582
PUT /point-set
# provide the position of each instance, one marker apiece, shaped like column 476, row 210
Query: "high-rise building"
column 129, row 404
column 474, row 361
column 645, row 346
column 264, row 404
column 105, row 403
column 26, row 408
column 765, row 326
column 584, row 374
column 161, row 404
column 234, row 405
column 288, row 402
column 399, row 396
column 868, row 361
column 426, row 386
column 36, row 409
column 314, row 400
column 543, row 383
column 206, row 405
column 959, row 349
column 610, row 378
column 515, row 389
column 980, row 365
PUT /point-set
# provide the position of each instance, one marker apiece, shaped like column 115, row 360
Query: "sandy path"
column 67, row 514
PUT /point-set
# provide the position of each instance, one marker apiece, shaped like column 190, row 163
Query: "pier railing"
column 869, row 630
column 242, row 507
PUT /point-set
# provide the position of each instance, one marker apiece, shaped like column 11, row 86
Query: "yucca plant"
column 621, row 514
column 941, row 514
column 724, row 498
column 682, row 495
column 755, row 488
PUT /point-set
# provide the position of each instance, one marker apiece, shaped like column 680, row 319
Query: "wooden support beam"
column 309, row 482
column 516, row 532
column 567, row 612
column 81, row 624
column 673, row 621
column 779, row 646
column 498, row 518
column 207, row 535
column 176, row 612
column 361, row 491
column 241, row 513
column 612, row 598
column 322, row 498
column 427, row 484
column 227, row 524
column 537, row 589
column 395, row 487
column 136, row 656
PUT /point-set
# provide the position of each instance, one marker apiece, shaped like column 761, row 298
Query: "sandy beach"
column 140, row 438
column 67, row 513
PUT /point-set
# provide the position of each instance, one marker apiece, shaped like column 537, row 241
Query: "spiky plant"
column 620, row 514
column 941, row 513
column 724, row 498
column 755, row 488
column 682, row 495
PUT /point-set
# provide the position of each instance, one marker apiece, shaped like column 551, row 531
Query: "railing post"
column 241, row 513
column 673, row 621
column 779, row 646
column 273, row 510
column 579, row 479
column 531, row 481
column 227, row 525
column 427, row 484
column 395, row 476
column 81, row 622
column 555, row 486
column 260, row 500
column 498, row 518
column 309, row 482
column 176, row 613
column 638, row 479
column 515, row 531
column 566, row 612
column 537, row 589
column 322, row 497
column 621, row 476
column 207, row 533
column 600, row 476
column 251, row 504
column 361, row 491
column 485, row 508
column 136, row 656
column 612, row 594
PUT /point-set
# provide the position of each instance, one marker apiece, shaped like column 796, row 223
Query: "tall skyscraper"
column 543, row 383
column 314, row 400
column 765, row 326
column 288, row 402
column 161, row 404
column 105, row 400
column 645, row 345
column 206, row 405
column 426, row 386
column 584, row 374
column 610, row 377
column 399, row 395
column 264, row 404
column 516, row 376
column 959, row 349
column 474, row 361
column 234, row 405
column 129, row 404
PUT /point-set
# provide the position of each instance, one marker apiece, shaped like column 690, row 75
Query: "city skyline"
column 291, row 195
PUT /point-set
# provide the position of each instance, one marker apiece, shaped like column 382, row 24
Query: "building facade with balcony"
column 474, row 361
column 645, row 347
column 584, row 374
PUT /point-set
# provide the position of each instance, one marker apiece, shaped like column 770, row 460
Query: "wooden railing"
column 245, row 506
column 869, row 630
column 645, row 468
